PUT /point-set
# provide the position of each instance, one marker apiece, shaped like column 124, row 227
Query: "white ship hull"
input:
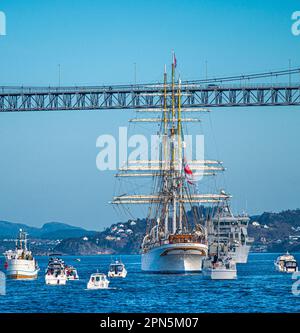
column 174, row 258
column 72, row 278
column 101, row 285
column 240, row 255
column 54, row 281
column 221, row 270
column 122, row 274
column 21, row 269
column 220, row 273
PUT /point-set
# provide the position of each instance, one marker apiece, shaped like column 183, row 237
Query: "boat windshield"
column 116, row 268
column 291, row 264
column 97, row 278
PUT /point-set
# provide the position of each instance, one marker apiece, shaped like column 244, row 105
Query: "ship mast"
column 173, row 149
column 179, row 136
column 164, row 157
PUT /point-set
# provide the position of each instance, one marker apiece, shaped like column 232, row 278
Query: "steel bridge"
column 199, row 93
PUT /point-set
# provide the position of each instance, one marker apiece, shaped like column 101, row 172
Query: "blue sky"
column 48, row 160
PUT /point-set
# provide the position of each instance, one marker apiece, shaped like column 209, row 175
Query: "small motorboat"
column 219, row 268
column 71, row 273
column 286, row 263
column 117, row 269
column 55, row 272
column 98, row 281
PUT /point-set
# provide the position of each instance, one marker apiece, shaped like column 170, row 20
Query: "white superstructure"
column 233, row 234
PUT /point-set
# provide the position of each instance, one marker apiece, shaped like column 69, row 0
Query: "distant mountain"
column 10, row 230
column 121, row 238
column 273, row 232
column 81, row 246
column 51, row 230
column 276, row 232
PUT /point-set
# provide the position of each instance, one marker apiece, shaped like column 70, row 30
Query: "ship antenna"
column 20, row 237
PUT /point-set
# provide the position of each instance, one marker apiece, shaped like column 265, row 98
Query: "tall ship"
column 20, row 263
column 176, row 239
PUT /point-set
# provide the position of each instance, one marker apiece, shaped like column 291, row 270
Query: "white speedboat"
column 117, row 269
column 219, row 268
column 286, row 263
column 20, row 263
column 98, row 281
column 55, row 272
column 71, row 273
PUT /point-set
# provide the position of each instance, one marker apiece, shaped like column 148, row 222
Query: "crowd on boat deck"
column 183, row 238
column 22, row 256
column 25, row 256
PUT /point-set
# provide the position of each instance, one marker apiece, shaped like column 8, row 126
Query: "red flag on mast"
column 174, row 60
column 187, row 169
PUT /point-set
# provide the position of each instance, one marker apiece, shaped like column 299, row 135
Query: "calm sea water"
column 259, row 288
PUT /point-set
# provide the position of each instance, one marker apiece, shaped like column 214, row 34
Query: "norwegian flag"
column 187, row 169
column 188, row 174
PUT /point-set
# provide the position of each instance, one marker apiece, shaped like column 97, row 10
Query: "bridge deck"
column 145, row 96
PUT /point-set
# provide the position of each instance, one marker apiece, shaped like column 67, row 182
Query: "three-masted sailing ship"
column 176, row 239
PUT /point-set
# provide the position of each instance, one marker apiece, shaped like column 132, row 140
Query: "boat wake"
column 108, row 288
